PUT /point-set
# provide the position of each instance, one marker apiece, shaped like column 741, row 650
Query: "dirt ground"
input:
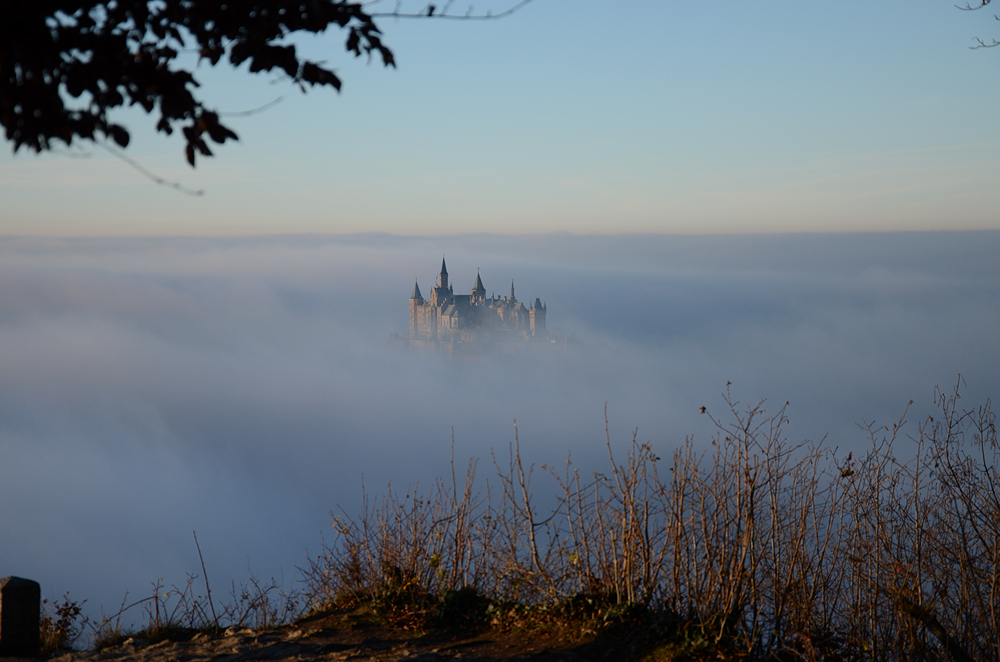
column 357, row 635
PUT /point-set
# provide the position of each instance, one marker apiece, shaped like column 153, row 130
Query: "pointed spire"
column 479, row 284
column 512, row 290
column 443, row 276
column 416, row 291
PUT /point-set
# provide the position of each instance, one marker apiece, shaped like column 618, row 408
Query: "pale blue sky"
column 637, row 116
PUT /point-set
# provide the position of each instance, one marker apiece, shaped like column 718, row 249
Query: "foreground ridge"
column 353, row 634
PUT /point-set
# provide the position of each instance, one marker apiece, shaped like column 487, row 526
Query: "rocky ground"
column 357, row 636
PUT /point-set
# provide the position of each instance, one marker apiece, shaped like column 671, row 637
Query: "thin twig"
column 149, row 175
column 205, row 575
column 252, row 111
column 428, row 11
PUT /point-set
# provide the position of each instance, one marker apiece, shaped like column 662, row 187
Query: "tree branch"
column 430, row 10
column 177, row 186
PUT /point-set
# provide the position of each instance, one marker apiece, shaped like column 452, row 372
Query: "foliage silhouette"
column 64, row 64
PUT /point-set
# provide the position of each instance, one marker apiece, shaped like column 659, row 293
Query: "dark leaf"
column 119, row 134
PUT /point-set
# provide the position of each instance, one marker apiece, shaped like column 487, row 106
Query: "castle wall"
column 423, row 321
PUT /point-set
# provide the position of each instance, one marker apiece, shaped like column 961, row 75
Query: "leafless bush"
column 768, row 547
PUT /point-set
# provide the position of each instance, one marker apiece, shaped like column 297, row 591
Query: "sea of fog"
column 244, row 388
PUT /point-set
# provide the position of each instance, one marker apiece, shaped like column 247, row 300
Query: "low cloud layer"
column 241, row 388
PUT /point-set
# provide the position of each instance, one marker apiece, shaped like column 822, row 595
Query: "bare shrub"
column 61, row 624
column 756, row 545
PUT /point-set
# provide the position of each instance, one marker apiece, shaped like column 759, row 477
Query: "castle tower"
column 443, row 276
column 478, row 291
column 416, row 300
column 512, row 299
column 537, row 319
column 441, row 293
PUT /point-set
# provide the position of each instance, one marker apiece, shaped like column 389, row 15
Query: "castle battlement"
column 452, row 318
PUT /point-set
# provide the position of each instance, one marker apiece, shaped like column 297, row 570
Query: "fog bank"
column 242, row 387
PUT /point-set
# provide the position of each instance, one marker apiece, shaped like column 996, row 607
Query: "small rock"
column 233, row 631
column 426, row 657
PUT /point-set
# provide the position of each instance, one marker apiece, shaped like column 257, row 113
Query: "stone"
column 20, row 604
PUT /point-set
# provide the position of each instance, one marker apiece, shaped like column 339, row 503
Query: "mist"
column 245, row 388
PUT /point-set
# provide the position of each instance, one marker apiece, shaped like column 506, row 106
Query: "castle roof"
column 416, row 292
column 444, row 269
column 479, row 285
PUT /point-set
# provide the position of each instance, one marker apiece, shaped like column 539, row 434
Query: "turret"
column 416, row 302
column 442, row 291
column 537, row 319
column 443, row 276
column 478, row 291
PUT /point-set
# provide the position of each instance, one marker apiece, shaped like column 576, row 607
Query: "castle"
column 472, row 318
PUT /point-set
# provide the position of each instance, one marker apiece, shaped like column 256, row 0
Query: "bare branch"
column 979, row 42
column 968, row 7
column 146, row 173
column 982, row 44
column 252, row 111
column 430, row 10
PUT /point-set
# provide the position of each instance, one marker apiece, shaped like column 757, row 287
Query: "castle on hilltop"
column 472, row 318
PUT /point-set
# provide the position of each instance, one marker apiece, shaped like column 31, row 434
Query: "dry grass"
column 179, row 612
column 758, row 547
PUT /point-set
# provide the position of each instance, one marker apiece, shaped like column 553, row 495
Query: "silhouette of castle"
column 472, row 318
